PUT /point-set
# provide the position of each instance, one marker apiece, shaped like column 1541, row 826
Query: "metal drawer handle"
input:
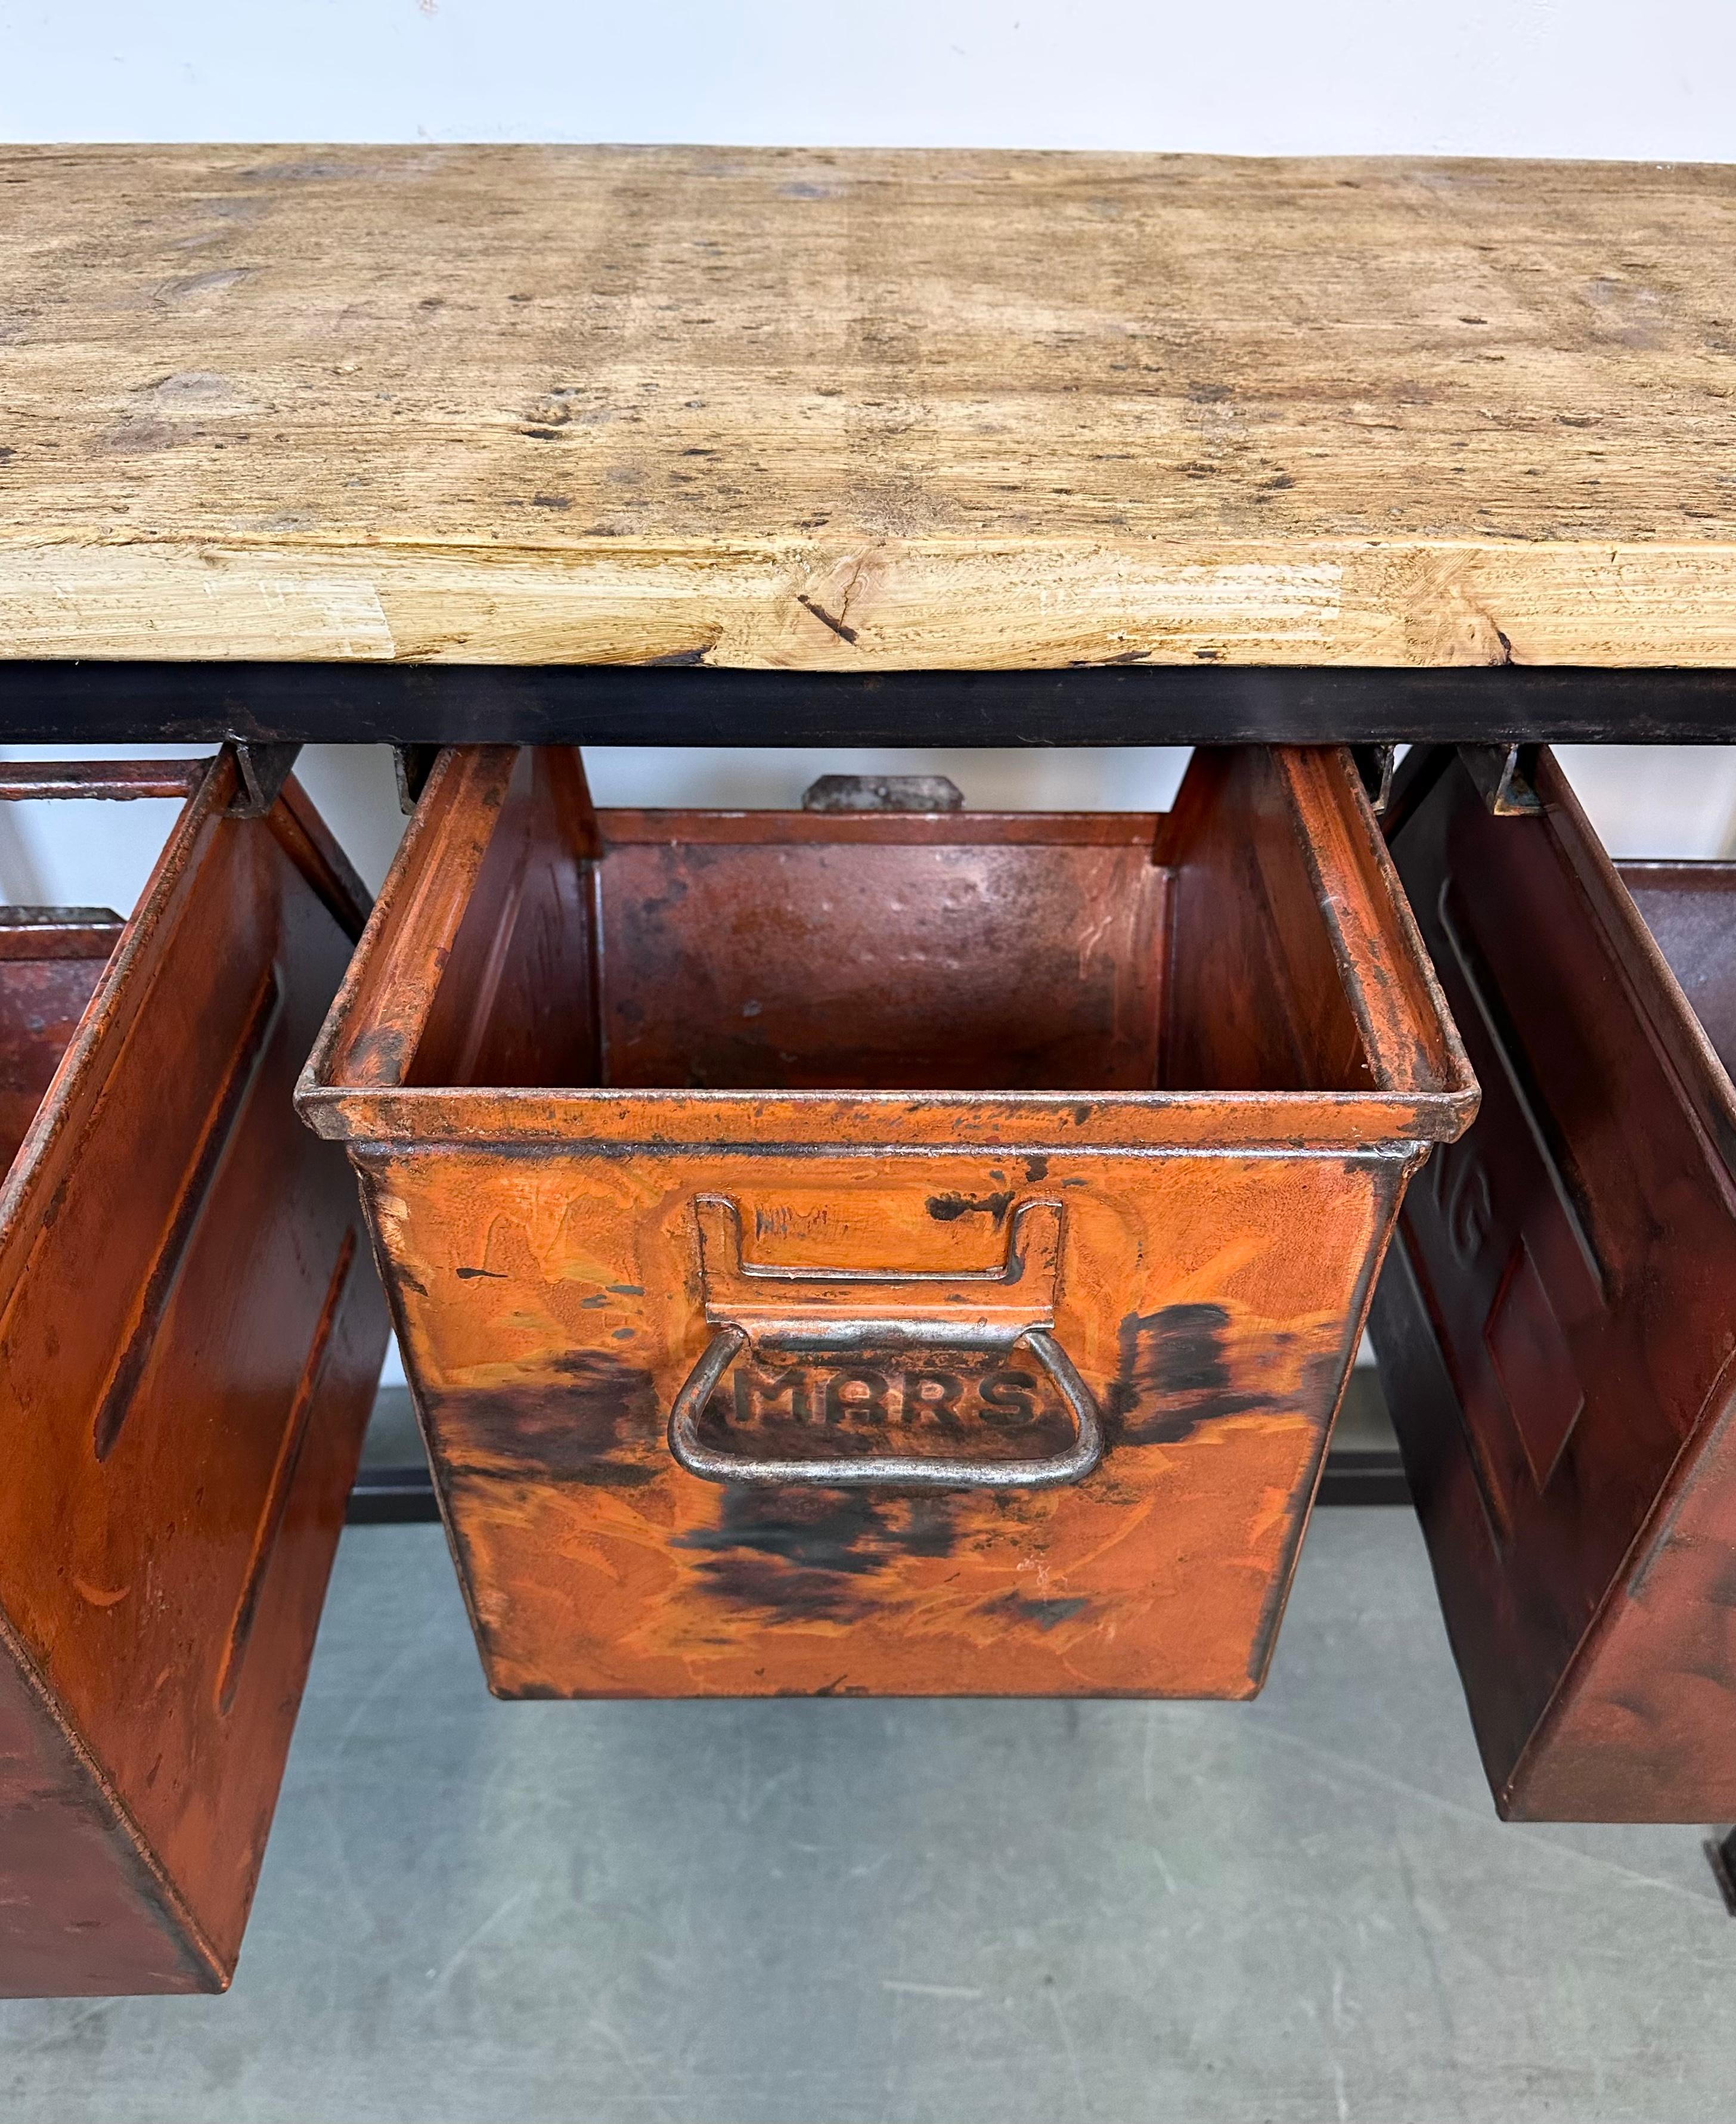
column 900, row 1470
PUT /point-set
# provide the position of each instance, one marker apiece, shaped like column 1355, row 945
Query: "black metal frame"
column 416, row 705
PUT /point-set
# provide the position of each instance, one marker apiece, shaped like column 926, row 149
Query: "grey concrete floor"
column 1296, row 1909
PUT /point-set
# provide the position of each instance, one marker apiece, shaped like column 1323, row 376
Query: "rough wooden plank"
column 859, row 411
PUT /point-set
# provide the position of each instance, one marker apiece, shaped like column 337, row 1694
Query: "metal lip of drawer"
column 587, row 1120
column 361, row 1084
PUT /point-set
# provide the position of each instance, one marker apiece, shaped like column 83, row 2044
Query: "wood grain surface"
column 861, row 411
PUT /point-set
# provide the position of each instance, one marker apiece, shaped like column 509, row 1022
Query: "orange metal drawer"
column 883, row 1253
column 191, row 1330
column 1556, row 1326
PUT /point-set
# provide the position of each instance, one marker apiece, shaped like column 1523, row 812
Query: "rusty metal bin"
column 190, row 1329
column 1556, row 1326
column 880, row 1252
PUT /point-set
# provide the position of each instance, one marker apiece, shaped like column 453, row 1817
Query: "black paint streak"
column 948, row 1209
column 465, row 1274
column 602, row 1429
column 1044, row 1614
column 801, row 1555
column 1172, row 1377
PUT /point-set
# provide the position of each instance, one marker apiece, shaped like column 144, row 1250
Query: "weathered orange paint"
column 190, row 1334
column 1209, row 1039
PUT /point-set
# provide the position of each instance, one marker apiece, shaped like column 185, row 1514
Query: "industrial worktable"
column 689, row 446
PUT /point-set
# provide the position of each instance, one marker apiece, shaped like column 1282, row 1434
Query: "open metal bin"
column 883, row 1253
column 191, row 1330
column 1556, row 1324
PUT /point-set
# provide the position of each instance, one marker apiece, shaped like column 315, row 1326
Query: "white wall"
column 1598, row 77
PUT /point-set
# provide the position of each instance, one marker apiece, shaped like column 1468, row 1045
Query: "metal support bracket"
column 264, row 769
column 1374, row 764
column 414, row 763
column 883, row 793
column 1504, row 775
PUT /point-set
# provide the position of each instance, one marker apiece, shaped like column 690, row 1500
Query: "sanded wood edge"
column 931, row 604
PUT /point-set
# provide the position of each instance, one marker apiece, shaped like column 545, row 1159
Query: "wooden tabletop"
column 864, row 410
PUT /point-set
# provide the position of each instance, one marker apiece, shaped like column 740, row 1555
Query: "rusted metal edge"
column 122, row 991
column 111, row 781
column 206, row 1966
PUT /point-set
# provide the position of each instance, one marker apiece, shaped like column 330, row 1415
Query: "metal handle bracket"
column 892, row 1471
column 1006, row 1307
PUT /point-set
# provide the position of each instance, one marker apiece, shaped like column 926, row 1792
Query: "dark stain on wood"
column 825, row 619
